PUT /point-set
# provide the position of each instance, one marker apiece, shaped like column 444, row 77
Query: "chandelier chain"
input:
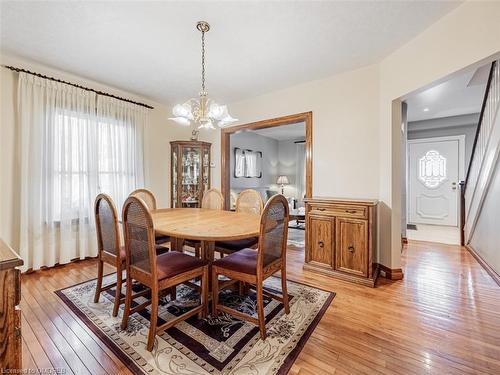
column 203, row 61
column 202, row 111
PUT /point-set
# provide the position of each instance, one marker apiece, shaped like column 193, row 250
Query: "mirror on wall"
column 247, row 163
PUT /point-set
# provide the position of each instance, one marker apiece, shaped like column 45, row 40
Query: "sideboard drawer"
column 357, row 212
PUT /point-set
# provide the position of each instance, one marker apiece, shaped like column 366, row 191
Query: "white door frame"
column 461, row 165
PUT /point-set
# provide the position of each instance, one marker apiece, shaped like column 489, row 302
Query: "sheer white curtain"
column 251, row 164
column 67, row 155
column 301, row 171
column 120, row 142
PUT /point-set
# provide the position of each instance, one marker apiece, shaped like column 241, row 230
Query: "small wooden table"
column 204, row 225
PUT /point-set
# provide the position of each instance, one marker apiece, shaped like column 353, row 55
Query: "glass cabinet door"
column 190, row 168
column 191, row 174
column 206, row 169
column 173, row 162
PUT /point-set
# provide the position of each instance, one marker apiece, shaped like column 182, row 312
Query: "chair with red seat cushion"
column 254, row 266
column 248, row 201
column 109, row 249
column 159, row 273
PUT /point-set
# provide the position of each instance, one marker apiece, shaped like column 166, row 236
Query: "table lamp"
column 282, row 180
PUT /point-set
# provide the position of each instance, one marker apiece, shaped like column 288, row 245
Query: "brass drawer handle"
column 350, row 248
column 321, row 244
column 351, row 211
column 321, row 209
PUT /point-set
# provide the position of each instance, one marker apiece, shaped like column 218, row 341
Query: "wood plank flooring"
column 443, row 318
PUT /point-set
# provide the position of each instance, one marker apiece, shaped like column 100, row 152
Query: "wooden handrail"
column 478, row 130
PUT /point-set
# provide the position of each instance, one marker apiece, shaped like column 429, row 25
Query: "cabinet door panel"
column 351, row 246
column 321, row 233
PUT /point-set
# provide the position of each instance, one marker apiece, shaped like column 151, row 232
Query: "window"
column 432, row 169
column 88, row 159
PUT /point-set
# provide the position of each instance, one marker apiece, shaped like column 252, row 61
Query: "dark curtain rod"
column 74, row 85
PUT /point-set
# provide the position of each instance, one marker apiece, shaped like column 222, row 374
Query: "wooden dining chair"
column 150, row 200
column 159, row 273
column 108, row 247
column 248, row 201
column 212, row 200
column 254, row 266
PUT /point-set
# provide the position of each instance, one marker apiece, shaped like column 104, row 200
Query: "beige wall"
column 157, row 138
column 345, row 129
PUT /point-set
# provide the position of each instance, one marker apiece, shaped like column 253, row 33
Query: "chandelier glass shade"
column 202, row 111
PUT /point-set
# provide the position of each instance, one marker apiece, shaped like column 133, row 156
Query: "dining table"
column 204, row 225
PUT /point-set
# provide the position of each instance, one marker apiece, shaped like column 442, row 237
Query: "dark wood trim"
column 306, row 117
column 494, row 275
column 391, row 273
column 75, row 85
column 481, row 115
column 461, row 184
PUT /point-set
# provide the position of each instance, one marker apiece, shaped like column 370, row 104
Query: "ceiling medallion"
column 202, row 111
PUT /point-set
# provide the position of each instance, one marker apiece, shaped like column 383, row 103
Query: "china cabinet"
column 190, row 171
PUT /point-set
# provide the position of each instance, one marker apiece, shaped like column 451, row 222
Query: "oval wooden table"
column 204, row 225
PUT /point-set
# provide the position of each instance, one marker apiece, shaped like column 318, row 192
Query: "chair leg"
column 215, row 291
column 118, row 291
column 260, row 310
column 284, row 290
column 128, row 302
column 173, row 293
column 153, row 320
column 204, row 293
column 100, row 266
column 246, row 288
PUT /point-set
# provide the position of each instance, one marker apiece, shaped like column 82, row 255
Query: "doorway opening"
column 438, row 133
column 271, row 156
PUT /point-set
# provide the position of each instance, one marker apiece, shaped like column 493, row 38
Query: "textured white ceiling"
column 152, row 48
column 461, row 95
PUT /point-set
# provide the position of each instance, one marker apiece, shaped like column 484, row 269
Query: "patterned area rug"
column 222, row 345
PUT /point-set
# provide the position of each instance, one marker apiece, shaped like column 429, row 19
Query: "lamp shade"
column 282, row 180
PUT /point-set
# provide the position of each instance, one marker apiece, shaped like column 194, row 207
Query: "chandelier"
column 202, row 111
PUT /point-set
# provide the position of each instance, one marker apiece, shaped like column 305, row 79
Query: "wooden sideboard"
column 10, row 314
column 341, row 238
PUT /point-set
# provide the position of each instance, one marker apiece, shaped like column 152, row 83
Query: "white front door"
column 435, row 166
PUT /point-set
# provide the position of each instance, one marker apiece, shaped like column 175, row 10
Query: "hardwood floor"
column 444, row 317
